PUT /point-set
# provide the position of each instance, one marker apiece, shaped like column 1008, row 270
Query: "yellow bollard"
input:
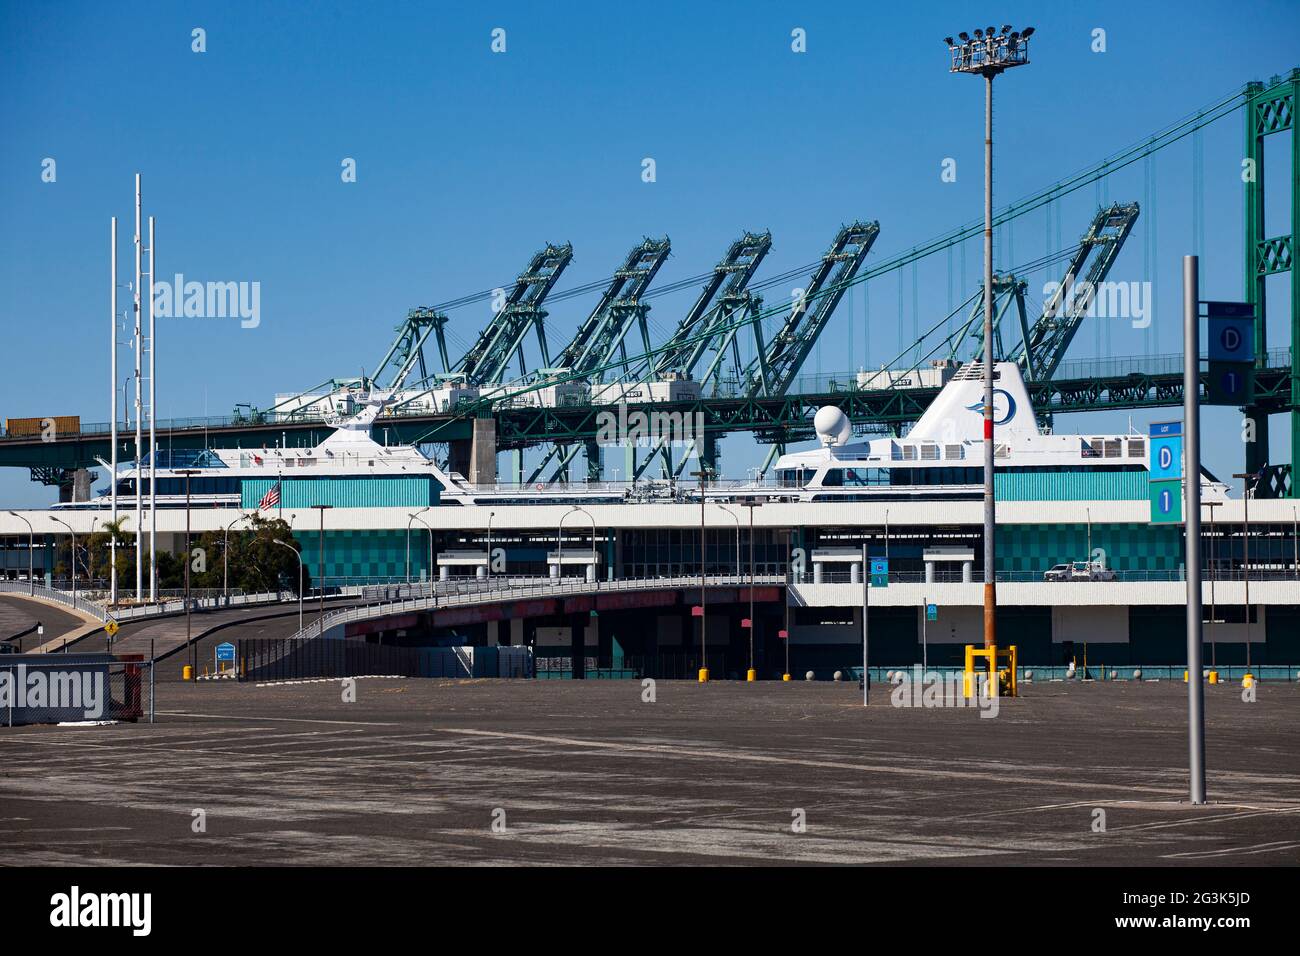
column 704, row 675
column 1214, row 677
column 1184, row 677
column 751, row 675
column 187, row 672
column 1248, row 681
column 785, row 677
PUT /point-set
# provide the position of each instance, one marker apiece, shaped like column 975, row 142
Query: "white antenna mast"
column 139, row 458
column 112, row 410
column 153, row 439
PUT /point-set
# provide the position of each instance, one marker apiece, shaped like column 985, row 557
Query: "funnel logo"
column 1010, row 406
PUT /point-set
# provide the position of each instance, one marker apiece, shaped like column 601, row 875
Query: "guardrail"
column 487, row 591
column 1257, row 575
column 59, row 597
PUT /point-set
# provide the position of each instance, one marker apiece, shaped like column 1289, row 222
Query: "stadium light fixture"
column 989, row 54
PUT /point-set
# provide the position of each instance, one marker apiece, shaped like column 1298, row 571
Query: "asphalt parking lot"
column 586, row 772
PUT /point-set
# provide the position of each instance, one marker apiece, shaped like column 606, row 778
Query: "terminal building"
column 1084, row 573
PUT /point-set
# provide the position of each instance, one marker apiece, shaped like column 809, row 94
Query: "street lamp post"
column 432, row 587
column 736, row 518
column 31, row 553
column 409, row 519
column 703, row 476
column 225, row 558
column 297, row 554
column 1214, row 554
column 789, row 575
column 1248, row 482
column 74, row 556
column 153, row 572
column 991, row 52
column 559, row 543
column 751, row 504
column 90, row 557
column 321, row 563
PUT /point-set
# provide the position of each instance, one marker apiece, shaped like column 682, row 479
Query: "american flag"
column 271, row 498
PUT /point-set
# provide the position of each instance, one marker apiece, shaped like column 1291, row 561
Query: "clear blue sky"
column 468, row 161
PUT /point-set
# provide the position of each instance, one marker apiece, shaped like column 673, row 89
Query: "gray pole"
column 1192, row 482
column 112, row 412
column 925, row 617
column 990, row 587
column 866, row 600
column 153, row 440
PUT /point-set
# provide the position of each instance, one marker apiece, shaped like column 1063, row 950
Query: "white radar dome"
column 832, row 426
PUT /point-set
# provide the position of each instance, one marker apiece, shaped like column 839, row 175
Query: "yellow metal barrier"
column 1002, row 680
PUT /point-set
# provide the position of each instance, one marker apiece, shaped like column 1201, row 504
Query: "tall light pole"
column 751, row 504
column 74, row 556
column 432, row 586
column 31, row 553
column 703, row 476
column 409, row 519
column 321, row 583
column 112, row 408
column 1214, row 657
column 225, row 558
column 297, row 554
column 153, row 572
column 559, row 542
column 991, row 52
column 736, row 518
column 1248, row 481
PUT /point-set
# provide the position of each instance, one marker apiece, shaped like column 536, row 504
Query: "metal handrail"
column 493, row 590
column 59, row 597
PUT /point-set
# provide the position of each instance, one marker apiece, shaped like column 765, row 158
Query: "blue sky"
column 468, row 161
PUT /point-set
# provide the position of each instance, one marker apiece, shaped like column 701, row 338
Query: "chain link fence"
column 75, row 688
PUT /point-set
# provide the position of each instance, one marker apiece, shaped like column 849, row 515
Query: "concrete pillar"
column 483, row 452
column 444, row 573
column 554, row 569
column 817, row 572
column 855, row 572
column 591, row 573
column 929, row 572
column 967, row 569
column 480, row 572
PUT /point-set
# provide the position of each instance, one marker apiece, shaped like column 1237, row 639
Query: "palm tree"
column 115, row 534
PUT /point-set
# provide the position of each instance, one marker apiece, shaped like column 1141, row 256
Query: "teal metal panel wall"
column 302, row 493
column 1071, row 486
column 361, row 556
column 1127, row 547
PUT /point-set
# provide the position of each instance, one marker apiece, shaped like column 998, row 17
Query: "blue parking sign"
column 1231, row 340
column 225, row 652
column 879, row 573
column 1166, row 457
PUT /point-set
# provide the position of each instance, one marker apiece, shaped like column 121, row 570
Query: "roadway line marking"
column 802, row 762
column 1275, row 847
column 300, row 720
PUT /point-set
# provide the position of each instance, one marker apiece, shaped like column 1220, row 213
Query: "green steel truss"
column 1271, row 108
column 503, row 338
column 604, row 333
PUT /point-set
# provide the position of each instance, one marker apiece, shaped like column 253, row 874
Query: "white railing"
column 178, row 606
column 487, row 591
column 59, row 597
